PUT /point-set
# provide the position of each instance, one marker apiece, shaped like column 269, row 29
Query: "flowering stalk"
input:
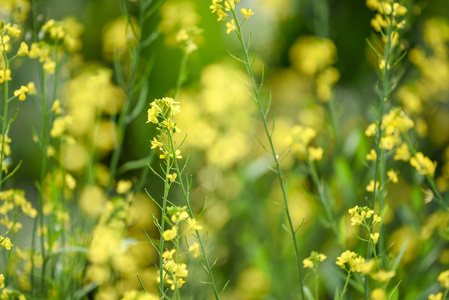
column 236, row 25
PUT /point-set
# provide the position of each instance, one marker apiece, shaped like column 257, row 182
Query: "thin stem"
column 186, row 193
column 345, row 288
column 257, row 98
column 162, row 228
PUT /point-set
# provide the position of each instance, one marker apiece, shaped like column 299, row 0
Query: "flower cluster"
column 350, row 261
column 299, row 140
column 229, row 6
column 315, row 57
column 174, row 271
column 423, row 164
column 359, row 215
column 313, row 260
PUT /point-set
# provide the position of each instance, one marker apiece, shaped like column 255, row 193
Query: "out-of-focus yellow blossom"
column 230, row 26
column 372, row 155
column 74, row 157
column 408, row 96
column 383, row 276
column 313, row 260
column 188, row 38
column 378, row 294
column 176, row 16
column 438, row 296
column 311, row 54
column 172, row 177
column 123, row 186
column 15, row 10
column 423, row 164
column 371, row 130
column 2, row 281
column 315, row 153
column 246, row 13
column 350, row 259
column 170, row 234
column 92, row 200
column 56, row 107
column 443, row 278
column 5, row 242
column 106, row 136
column 118, row 36
column 70, row 181
column 60, row 125
column 325, row 82
column 193, row 224
column 23, row 49
column 195, row 249
column 402, row 153
column 370, row 186
column 428, row 195
column 105, row 243
column 392, row 176
column 5, row 75
column 299, row 138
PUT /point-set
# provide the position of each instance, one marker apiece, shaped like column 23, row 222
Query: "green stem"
column 162, row 228
column 345, row 288
column 186, row 195
column 5, row 117
column 257, row 98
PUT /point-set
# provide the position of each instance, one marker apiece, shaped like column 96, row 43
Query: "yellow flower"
column 172, row 177
column 402, row 153
column 23, row 49
column 56, row 107
column 315, row 153
column 383, row 276
column 21, row 93
column 428, row 195
column 231, row 26
column 371, row 130
column 392, row 175
column 372, row 155
column 5, row 242
column 193, row 224
column 168, row 255
column 443, row 278
column 438, row 296
column 370, row 186
column 2, row 279
column 307, row 263
column 423, row 164
column 155, row 143
column 378, row 294
column 374, row 237
column 49, row 66
column 170, row 234
column 247, row 13
column 123, row 186
column 195, row 249
column 5, row 75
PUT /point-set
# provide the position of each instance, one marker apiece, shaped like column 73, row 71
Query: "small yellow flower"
column 443, row 278
column 23, row 49
column 374, row 237
column 5, row 242
column 172, row 177
column 315, row 153
column 123, row 186
column 383, row 276
column 247, row 13
column 170, row 234
column 423, row 164
column 402, row 153
column 371, row 130
column 231, row 26
column 195, row 249
column 438, row 296
column 378, row 294
column 372, row 155
column 155, row 143
column 2, row 279
column 56, row 107
column 5, row 75
column 193, row 224
column 168, row 255
column 307, row 263
column 21, row 93
column 392, row 175
column 370, row 186
column 49, row 66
